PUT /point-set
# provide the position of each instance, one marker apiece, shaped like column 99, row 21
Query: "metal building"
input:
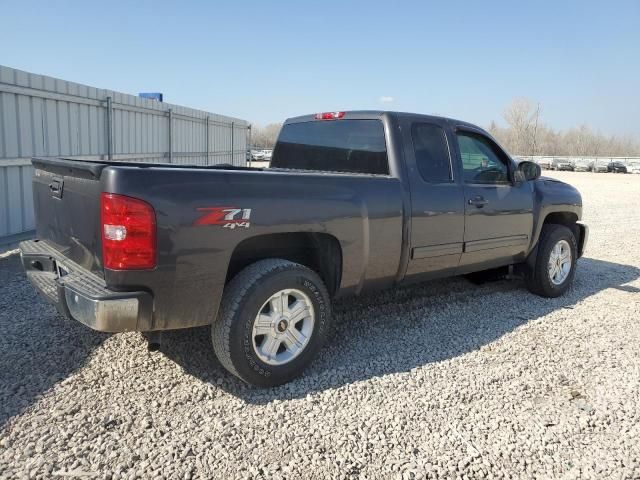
column 45, row 116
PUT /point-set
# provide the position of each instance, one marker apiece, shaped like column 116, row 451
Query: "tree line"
column 525, row 134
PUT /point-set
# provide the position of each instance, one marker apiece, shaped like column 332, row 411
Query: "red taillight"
column 128, row 233
column 329, row 115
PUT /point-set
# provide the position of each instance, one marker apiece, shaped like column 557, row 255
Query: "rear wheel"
column 274, row 318
column 555, row 264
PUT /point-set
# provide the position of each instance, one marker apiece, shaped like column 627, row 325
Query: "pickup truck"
column 352, row 202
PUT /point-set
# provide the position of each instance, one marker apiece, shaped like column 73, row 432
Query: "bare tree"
column 522, row 117
column 265, row 137
column 535, row 128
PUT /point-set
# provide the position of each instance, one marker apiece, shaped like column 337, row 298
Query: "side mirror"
column 528, row 171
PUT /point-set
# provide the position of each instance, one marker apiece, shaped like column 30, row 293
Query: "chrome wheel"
column 560, row 262
column 283, row 327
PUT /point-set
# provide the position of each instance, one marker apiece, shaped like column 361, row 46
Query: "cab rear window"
column 349, row 146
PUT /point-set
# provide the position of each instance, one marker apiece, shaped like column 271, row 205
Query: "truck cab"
column 467, row 205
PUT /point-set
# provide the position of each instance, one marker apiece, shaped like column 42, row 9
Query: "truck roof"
column 376, row 114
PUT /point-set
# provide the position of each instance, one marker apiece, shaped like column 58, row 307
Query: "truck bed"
column 363, row 213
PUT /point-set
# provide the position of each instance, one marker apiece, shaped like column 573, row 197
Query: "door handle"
column 478, row 201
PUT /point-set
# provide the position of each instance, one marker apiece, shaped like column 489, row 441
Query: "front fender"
column 556, row 202
column 584, row 236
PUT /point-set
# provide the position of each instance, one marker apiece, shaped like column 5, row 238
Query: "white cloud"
column 386, row 99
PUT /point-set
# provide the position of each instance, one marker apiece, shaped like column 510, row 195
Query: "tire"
column 538, row 278
column 248, row 294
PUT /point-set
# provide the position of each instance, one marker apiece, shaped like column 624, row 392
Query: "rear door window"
column 431, row 152
column 353, row 146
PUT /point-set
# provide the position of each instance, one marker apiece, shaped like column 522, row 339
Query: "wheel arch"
column 321, row 252
column 569, row 219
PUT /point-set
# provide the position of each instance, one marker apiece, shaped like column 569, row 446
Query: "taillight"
column 128, row 233
column 329, row 115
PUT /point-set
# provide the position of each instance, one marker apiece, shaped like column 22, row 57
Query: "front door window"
column 481, row 162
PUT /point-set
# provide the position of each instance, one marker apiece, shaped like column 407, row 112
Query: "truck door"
column 498, row 212
column 437, row 201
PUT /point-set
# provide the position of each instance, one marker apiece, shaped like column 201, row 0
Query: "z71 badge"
column 228, row 217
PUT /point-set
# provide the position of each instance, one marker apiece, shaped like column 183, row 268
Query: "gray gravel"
column 443, row 380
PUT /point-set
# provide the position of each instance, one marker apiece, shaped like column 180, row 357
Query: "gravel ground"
column 443, row 380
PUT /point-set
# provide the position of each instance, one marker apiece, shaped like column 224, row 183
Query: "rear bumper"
column 82, row 295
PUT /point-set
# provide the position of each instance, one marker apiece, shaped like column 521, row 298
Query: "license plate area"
column 56, row 187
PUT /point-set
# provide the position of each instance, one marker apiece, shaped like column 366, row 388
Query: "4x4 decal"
column 228, row 217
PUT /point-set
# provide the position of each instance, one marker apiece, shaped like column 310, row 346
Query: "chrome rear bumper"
column 82, row 295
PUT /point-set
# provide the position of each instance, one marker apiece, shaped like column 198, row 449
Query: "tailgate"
column 66, row 196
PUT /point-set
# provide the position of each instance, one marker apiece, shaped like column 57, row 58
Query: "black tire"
column 537, row 277
column 243, row 298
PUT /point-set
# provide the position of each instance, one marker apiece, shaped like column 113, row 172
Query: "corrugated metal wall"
column 45, row 116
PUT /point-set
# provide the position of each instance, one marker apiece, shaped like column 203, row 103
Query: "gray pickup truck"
column 352, row 202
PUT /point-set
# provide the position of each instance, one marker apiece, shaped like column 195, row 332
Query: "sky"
column 266, row 61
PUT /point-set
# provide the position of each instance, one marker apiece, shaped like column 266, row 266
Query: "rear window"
column 353, row 146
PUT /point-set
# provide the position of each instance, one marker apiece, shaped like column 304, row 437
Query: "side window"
column 481, row 161
column 431, row 152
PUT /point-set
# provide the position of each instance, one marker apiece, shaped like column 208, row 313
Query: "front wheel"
column 274, row 318
column 555, row 264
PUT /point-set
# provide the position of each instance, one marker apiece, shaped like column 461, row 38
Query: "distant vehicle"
column 583, row 166
column 267, row 155
column 600, row 167
column 558, row 164
column 617, row 167
column 259, row 254
column 546, row 164
column 634, row 168
column 257, row 155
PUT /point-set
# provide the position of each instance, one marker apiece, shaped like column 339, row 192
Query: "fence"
column 45, row 116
